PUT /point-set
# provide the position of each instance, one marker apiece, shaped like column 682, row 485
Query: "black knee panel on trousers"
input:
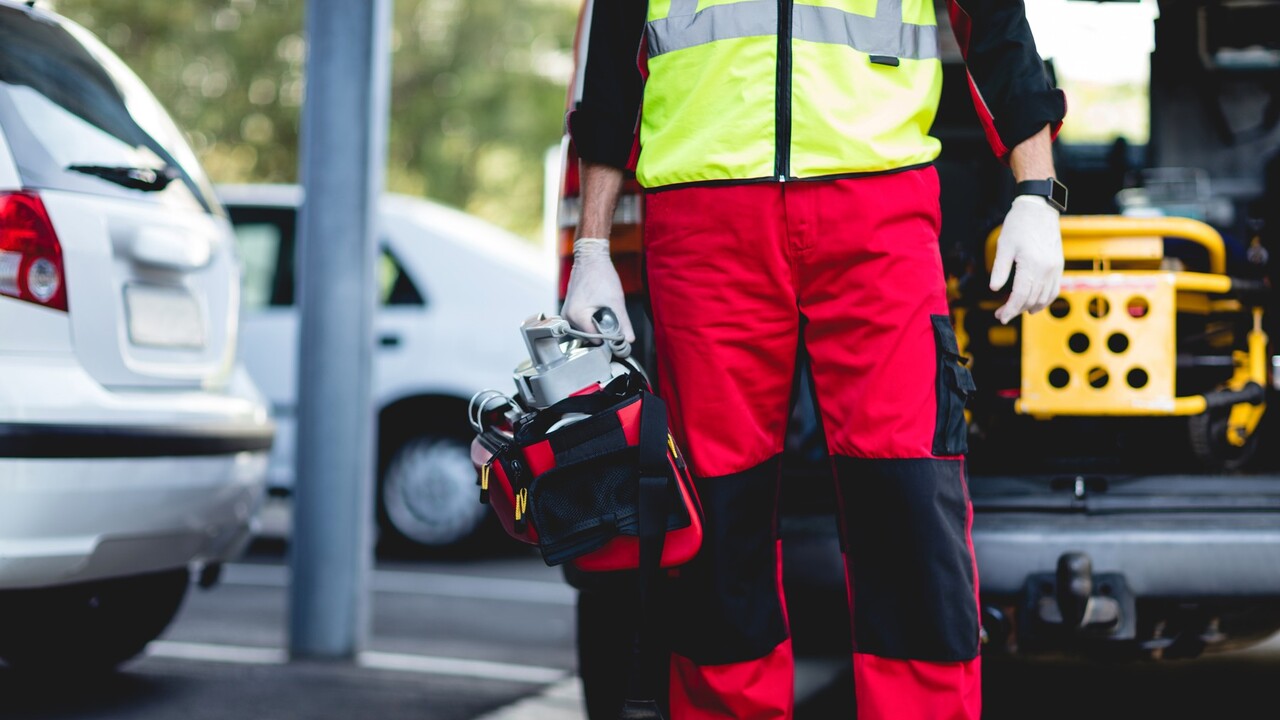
column 724, row 605
column 911, row 573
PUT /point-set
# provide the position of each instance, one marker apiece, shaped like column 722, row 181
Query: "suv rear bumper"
column 73, row 520
column 1176, row 555
column 98, row 483
column 1169, row 536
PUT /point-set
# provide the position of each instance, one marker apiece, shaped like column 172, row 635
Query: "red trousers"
column 738, row 276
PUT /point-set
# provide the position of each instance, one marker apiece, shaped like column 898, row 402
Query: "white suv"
column 453, row 290
column 133, row 448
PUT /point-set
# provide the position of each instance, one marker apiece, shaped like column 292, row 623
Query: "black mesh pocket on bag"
column 579, row 508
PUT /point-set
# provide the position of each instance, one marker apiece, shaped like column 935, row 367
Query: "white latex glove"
column 1031, row 239
column 593, row 284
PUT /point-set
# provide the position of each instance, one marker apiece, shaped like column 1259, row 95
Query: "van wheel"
column 427, row 495
column 89, row 627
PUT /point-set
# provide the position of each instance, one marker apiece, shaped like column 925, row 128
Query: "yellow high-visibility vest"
column 742, row 90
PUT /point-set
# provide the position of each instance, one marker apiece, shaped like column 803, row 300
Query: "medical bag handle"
column 655, row 480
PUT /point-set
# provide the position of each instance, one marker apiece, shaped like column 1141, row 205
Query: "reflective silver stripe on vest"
column 683, row 7
column 874, row 36
column 889, row 9
column 718, row 22
column 884, row 34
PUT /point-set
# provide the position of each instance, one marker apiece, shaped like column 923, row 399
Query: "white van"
column 453, row 290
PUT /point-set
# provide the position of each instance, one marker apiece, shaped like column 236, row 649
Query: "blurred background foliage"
column 477, row 90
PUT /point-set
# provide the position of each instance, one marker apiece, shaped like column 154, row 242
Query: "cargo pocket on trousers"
column 954, row 387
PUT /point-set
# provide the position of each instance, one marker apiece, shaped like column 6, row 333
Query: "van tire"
column 88, row 627
column 427, row 494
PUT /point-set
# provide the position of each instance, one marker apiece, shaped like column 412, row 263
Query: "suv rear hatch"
column 150, row 275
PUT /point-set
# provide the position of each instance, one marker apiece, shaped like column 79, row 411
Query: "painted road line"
column 561, row 701
column 457, row 667
column 372, row 660
column 204, row 652
column 421, row 583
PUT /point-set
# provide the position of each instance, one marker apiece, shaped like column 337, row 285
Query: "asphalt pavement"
column 492, row 638
column 449, row 641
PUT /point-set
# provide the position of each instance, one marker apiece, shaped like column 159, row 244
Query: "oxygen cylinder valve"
column 559, row 363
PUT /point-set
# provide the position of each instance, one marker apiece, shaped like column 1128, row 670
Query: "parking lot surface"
column 492, row 638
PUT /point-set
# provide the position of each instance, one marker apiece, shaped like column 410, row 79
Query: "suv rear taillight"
column 626, row 240
column 30, row 255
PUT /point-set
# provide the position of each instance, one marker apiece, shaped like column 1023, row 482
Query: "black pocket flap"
column 945, row 335
column 962, row 379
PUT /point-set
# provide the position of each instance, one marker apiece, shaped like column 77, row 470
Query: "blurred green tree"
column 477, row 96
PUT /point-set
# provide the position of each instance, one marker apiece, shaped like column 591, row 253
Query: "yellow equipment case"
column 1138, row 331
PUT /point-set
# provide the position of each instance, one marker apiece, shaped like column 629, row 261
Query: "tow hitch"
column 1074, row 604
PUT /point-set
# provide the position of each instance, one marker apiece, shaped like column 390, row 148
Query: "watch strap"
column 1053, row 191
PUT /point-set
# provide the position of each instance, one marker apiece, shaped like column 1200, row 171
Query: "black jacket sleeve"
column 1011, row 90
column 603, row 119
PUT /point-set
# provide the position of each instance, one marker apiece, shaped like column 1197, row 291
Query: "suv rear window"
column 77, row 119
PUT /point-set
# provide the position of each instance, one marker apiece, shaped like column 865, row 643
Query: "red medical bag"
column 577, row 487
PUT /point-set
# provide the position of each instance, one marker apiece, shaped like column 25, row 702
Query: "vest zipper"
column 782, row 122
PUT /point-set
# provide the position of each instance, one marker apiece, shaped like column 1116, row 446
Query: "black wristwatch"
column 1054, row 192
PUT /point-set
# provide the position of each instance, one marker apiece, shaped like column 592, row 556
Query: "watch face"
column 1058, row 195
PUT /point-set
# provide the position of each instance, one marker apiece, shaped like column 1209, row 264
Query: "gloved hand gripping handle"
column 608, row 325
column 594, row 284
